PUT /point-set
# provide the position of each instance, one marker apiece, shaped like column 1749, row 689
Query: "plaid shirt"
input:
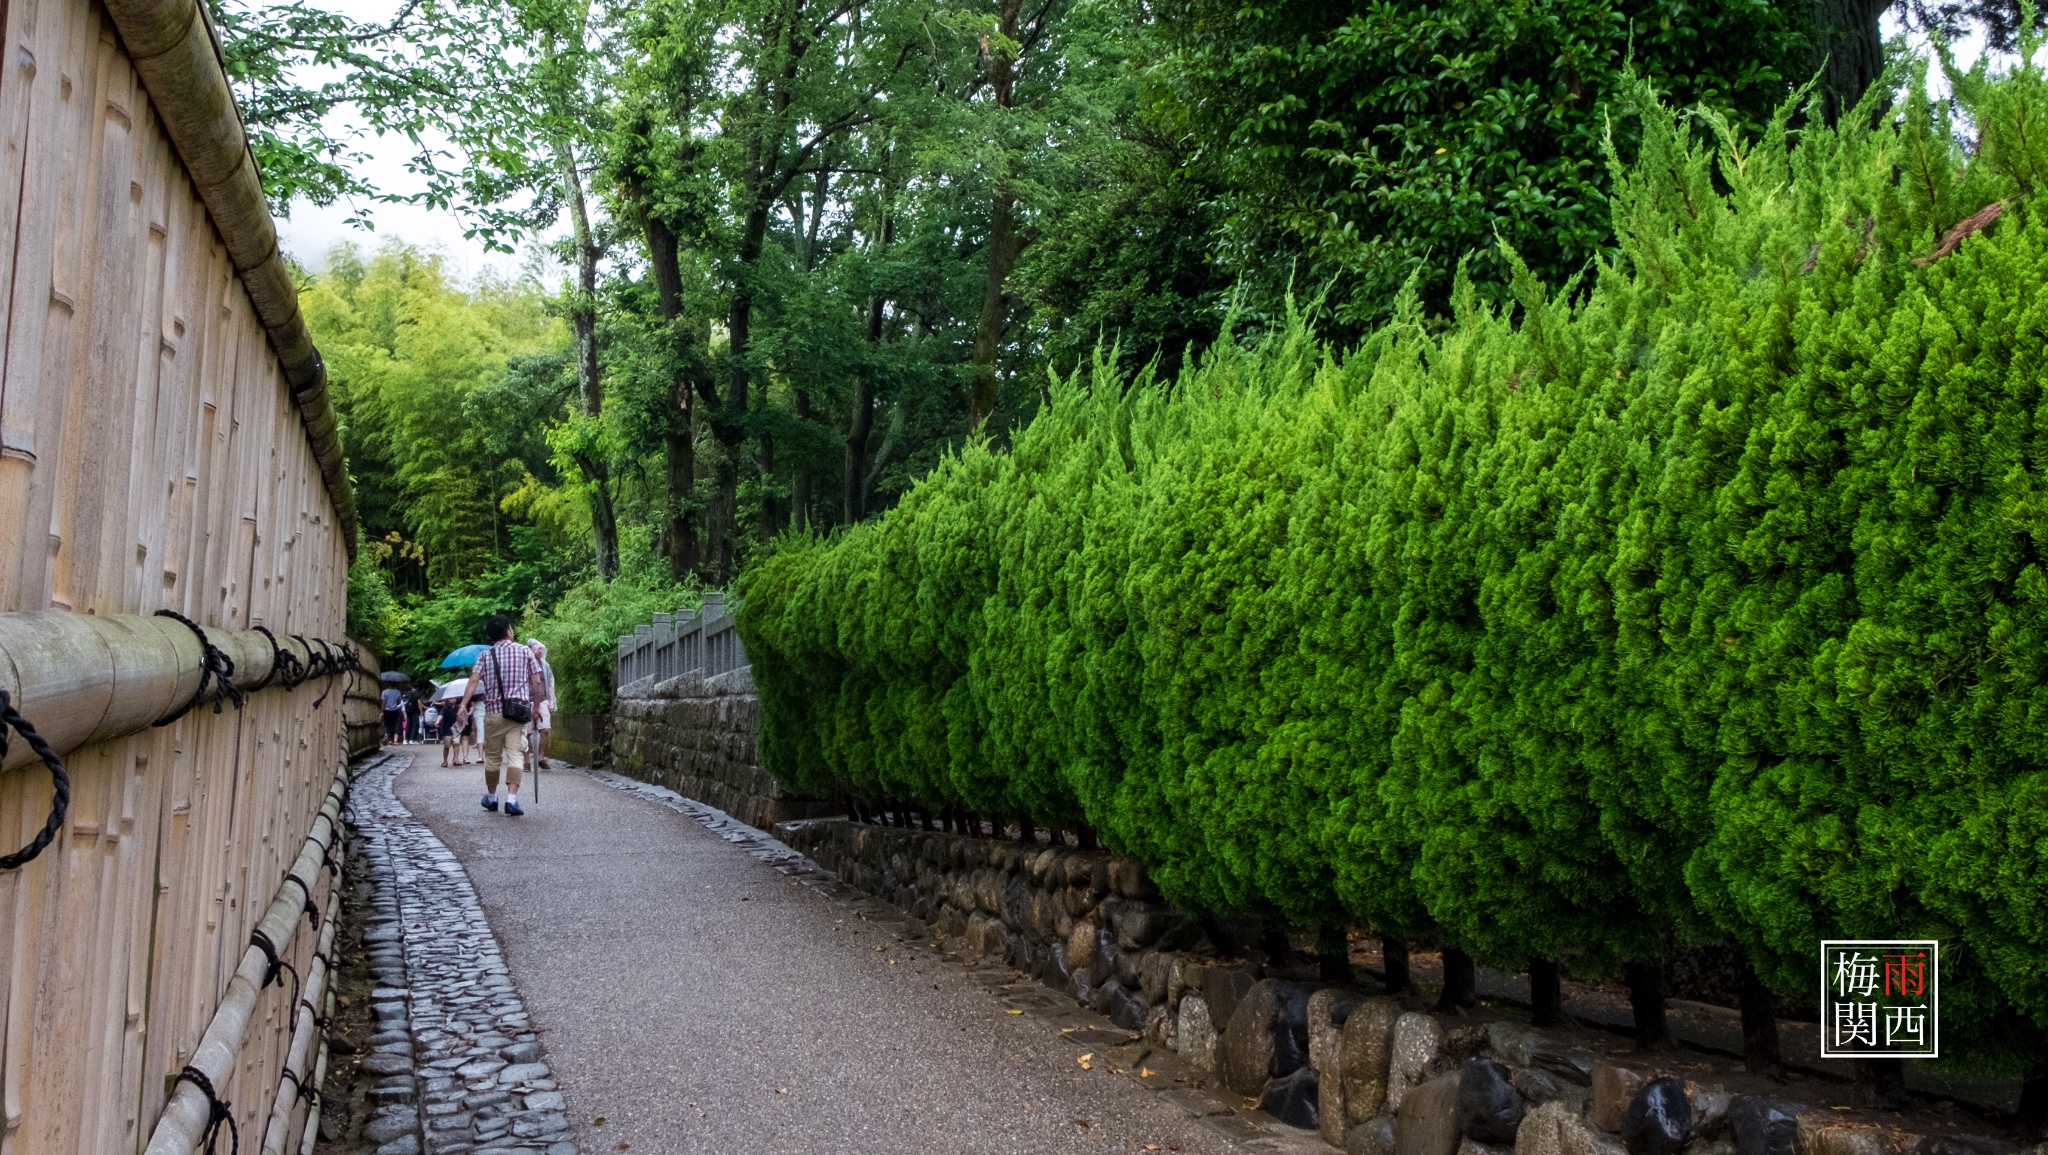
column 513, row 660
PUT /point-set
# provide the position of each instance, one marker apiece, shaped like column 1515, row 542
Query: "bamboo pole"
column 305, row 1032
column 312, row 1135
column 186, row 1116
column 88, row 678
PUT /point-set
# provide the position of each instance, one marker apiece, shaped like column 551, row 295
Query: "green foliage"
column 1708, row 601
column 1366, row 141
column 310, row 82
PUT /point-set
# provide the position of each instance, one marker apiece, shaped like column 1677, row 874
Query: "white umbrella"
column 451, row 692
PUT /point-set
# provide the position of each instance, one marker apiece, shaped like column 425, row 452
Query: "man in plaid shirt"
column 506, row 669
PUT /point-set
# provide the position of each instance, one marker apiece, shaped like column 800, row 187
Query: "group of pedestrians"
column 512, row 690
column 404, row 721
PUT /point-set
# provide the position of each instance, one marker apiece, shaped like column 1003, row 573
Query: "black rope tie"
column 262, row 942
column 332, row 667
column 285, row 666
column 313, row 912
column 217, row 1112
column 215, row 666
column 295, row 1000
column 59, row 780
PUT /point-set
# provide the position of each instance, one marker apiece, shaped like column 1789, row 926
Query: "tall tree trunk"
column 1394, row 965
column 800, row 477
column 2032, row 1118
column 1852, row 40
column 729, row 425
column 853, row 488
column 604, row 523
column 1003, row 242
column 1881, row 1083
column 1546, row 993
column 1760, row 1050
column 1461, row 982
column 679, row 446
column 1646, row 1000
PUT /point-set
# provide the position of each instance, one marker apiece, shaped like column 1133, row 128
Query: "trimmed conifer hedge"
column 1706, row 598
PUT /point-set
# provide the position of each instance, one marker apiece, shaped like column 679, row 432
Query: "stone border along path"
column 460, row 1066
column 1161, row 1072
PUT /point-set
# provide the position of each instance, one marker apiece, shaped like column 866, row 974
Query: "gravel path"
column 695, row 998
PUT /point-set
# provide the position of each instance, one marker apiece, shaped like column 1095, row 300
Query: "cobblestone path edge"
column 459, row 1067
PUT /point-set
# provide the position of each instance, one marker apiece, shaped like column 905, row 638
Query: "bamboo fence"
column 165, row 443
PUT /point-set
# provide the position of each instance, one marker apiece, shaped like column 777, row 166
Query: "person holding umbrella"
column 507, row 676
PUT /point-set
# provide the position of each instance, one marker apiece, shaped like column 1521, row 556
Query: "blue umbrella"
column 466, row 656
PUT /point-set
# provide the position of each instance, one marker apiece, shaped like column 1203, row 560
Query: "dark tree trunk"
column 1546, row 993
column 1881, row 1083
column 1089, row 841
column 1760, row 1052
column 1394, row 965
column 1646, row 999
column 604, row 525
column 679, row 531
column 1461, row 982
column 1333, row 953
column 1026, row 832
column 800, row 477
column 1003, row 241
column 1852, row 41
column 2032, row 1120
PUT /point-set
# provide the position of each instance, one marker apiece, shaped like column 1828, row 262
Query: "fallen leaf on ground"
column 1116, row 1070
column 782, row 1090
column 1013, row 1011
column 1087, row 1061
column 1146, row 1072
column 1151, row 1146
column 1083, row 1124
column 597, row 1122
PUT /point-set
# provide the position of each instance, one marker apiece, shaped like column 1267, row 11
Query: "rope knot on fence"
column 217, row 1112
column 10, row 718
column 285, row 665
column 215, row 666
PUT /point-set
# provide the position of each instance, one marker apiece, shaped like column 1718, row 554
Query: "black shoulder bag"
column 515, row 709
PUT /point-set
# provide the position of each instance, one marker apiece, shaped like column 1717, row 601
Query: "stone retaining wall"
column 695, row 735
column 1374, row 1073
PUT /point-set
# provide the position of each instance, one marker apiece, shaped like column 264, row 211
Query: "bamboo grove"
column 1702, row 598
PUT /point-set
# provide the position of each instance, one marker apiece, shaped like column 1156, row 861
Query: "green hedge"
column 1705, row 598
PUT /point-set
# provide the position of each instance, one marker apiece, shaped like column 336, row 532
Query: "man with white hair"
column 543, row 708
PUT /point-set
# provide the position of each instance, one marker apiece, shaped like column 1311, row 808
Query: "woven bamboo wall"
column 150, row 457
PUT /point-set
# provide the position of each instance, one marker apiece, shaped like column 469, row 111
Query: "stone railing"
column 685, row 716
column 700, row 640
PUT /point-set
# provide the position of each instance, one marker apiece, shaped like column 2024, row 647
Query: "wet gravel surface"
column 691, row 998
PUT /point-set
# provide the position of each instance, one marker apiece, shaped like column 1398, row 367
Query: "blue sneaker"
column 490, row 803
column 512, row 810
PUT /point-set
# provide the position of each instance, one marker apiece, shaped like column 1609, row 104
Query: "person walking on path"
column 412, row 717
column 508, row 676
column 544, row 706
column 394, row 714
